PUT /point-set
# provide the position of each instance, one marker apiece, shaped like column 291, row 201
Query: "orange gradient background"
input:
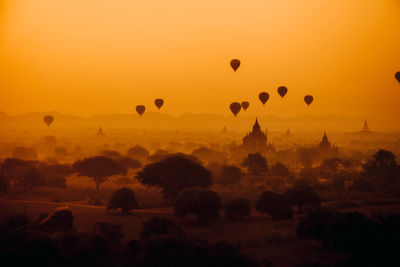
column 92, row 57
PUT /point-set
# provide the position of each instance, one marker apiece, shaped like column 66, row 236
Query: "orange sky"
column 92, row 57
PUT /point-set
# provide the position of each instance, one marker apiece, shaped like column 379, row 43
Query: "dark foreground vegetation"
column 224, row 206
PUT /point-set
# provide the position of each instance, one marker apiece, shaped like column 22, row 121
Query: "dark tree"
column 4, row 185
column 274, row 205
column 301, row 194
column 237, row 208
column 24, row 153
column 382, row 170
column 32, row 178
column 99, row 168
column 329, row 168
column 123, row 199
column 203, row 203
column 280, row 169
column 129, row 163
column 55, row 174
column 362, row 185
column 60, row 151
column 115, row 155
column 230, row 175
column 160, row 226
column 256, row 164
column 174, row 174
column 15, row 169
column 207, row 154
column 138, row 152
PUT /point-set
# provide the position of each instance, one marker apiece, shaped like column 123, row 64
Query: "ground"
column 258, row 236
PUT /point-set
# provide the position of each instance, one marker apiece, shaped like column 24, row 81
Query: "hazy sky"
column 89, row 57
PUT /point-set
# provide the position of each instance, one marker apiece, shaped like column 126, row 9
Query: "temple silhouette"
column 365, row 128
column 256, row 140
column 326, row 146
column 100, row 133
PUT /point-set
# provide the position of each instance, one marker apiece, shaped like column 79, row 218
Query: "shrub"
column 274, row 205
column 203, row 203
column 237, row 208
column 158, row 227
column 124, row 199
column 112, row 232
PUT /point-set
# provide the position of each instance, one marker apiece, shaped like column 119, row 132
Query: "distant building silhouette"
column 288, row 132
column 256, row 140
column 365, row 128
column 326, row 145
column 224, row 130
column 100, row 133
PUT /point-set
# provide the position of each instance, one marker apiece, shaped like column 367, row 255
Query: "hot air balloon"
column 245, row 105
column 235, row 63
column 263, row 96
column 140, row 109
column 308, row 99
column 159, row 103
column 235, row 108
column 282, row 90
column 397, row 76
column 48, row 120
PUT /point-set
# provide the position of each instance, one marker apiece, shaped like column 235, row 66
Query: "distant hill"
column 202, row 121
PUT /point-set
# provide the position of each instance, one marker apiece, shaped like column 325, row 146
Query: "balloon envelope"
column 282, row 91
column 397, row 76
column 159, row 103
column 48, row 120
column 308, row 99
column 235, row 63
column 263, row 96
column 140, row 109
column 245, row 105
column 235, row 108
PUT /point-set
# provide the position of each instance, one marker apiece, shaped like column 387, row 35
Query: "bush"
column 124, row 199
column 274, row 205
column 203, row 203
column 160, row 226
column 111, row 232
column 237, row 208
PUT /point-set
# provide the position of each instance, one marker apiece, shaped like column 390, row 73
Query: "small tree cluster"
column 123, row 199
column 203, row 203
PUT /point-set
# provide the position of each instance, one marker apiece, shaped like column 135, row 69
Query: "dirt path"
column 152, row 210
